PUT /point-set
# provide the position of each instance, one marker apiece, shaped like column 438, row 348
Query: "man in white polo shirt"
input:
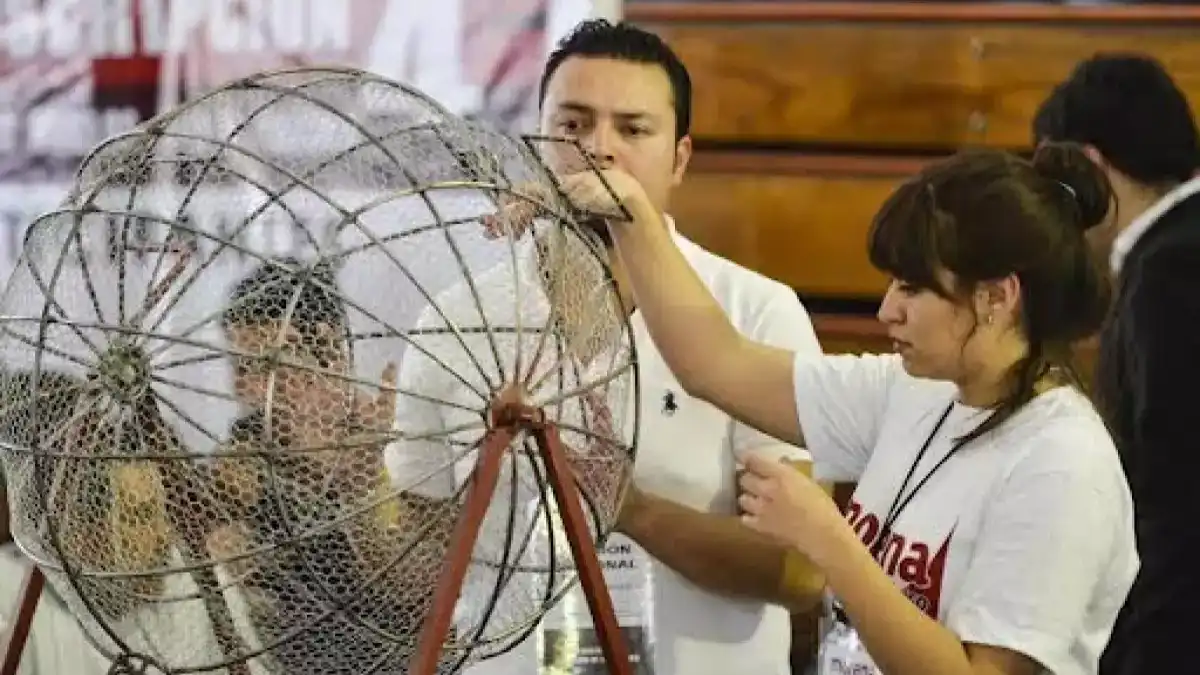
column 720, row 592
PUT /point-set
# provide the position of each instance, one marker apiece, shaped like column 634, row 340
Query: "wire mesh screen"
column 248, row 367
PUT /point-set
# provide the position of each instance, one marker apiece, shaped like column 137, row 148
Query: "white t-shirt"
column 1022, row 540
column 685, row 452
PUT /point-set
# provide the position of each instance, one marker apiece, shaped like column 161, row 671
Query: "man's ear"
column 1093, row 153
column 683, row 155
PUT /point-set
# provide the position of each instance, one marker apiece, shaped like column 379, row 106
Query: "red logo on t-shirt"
column 907, row 560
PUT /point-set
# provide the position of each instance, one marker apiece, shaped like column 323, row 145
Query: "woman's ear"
column 998, row 300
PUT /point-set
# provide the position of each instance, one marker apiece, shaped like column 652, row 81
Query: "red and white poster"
column 73, row 72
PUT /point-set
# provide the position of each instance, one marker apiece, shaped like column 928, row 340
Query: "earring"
column 988, row 319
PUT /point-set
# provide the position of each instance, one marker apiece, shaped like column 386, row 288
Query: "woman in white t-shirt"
column 997, row 521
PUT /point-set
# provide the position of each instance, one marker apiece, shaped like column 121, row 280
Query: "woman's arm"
column 839, row 398
column 901, row 638
column 749, row 380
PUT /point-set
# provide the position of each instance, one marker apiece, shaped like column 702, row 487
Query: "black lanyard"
column 901, row 501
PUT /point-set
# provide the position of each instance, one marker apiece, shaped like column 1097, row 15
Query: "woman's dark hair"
column 983, row 215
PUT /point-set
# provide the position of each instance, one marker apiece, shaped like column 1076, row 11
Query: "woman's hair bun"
column 1080, row 181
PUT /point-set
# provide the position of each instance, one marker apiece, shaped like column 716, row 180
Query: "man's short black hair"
column 1127, row 107
column 266, row 293
column 599, row 38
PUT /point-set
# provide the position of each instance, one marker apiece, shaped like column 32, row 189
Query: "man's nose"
column 599, row 147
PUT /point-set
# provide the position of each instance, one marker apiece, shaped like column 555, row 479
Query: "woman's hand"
column 781, row 502
column 605, row 194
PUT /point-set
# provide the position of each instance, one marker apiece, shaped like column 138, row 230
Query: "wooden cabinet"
column 807, row 114
column 800, row 220
column 896, row 85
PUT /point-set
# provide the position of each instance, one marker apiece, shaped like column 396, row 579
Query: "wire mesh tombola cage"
column 273, row 401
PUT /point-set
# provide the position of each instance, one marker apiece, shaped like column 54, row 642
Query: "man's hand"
column 365, row 419
column 378, row 413
column 372, row 422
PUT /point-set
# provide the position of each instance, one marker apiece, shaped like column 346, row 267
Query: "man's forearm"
column 719, row 554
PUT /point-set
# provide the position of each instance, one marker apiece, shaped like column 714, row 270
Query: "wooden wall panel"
column 851, row 334
column 777, row 83
column 802, row 221
column 891, row 83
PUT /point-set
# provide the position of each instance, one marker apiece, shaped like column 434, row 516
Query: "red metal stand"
column 13, row 645
column 509, row 417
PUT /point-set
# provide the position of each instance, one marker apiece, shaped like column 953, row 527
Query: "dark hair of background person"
column 986, row 214
column 1127, row 107
column 265, row 295
column 599, row 38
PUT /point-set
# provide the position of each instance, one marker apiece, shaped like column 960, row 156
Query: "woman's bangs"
column 901, row 241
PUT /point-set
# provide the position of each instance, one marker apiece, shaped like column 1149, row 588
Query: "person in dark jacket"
column 1136, row 124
